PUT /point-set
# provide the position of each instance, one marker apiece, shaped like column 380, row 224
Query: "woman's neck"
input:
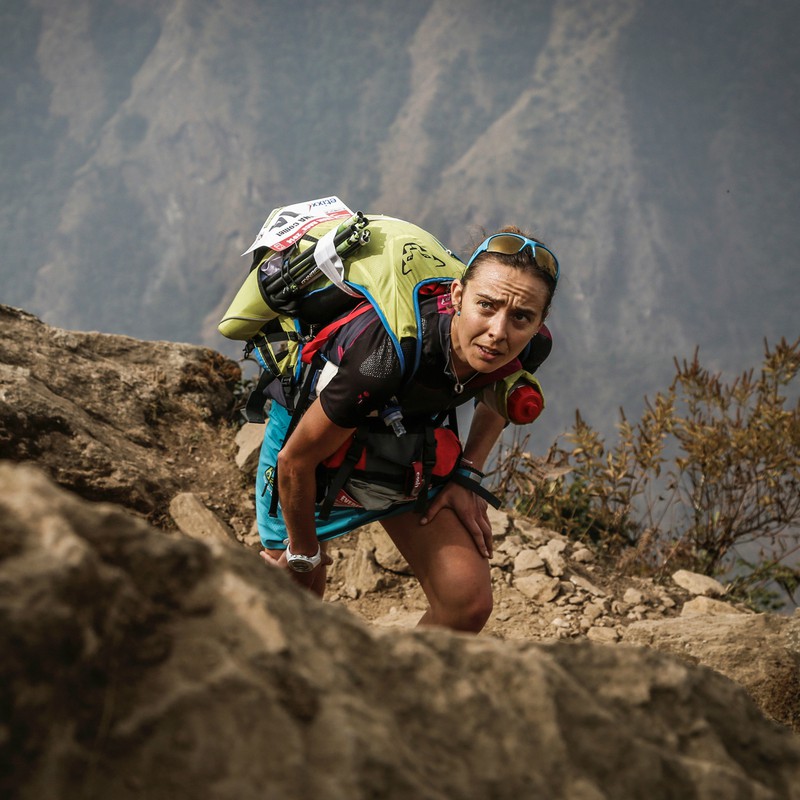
column 459, row 366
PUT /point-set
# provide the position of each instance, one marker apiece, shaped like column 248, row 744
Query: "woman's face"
column 502, row 308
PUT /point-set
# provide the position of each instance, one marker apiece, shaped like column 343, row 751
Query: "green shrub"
column 708, row 479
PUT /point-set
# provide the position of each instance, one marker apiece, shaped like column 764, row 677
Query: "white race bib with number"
column 287, row 225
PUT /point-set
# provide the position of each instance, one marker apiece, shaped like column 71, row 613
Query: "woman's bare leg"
column 453, row 574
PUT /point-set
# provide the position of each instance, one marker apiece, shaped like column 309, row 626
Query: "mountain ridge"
column 646, row 144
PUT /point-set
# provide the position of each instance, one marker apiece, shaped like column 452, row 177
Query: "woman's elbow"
column 295, row 465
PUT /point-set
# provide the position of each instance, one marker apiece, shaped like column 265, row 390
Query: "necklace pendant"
column 458, row 388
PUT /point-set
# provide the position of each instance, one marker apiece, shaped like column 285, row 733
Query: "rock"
column 119, row 420
column 557, row 544
column 555, row 564
column 533, row 534
column 248, row 440
column 361, row 573
column 583, row 555
column 252, row 537
column 619, row 608
column 510, row 546
column 208, row 655
column 540, row 588
column 526, row 562
column 551, row 556
column 594, row 610
column 566, row 589
column 604, row 635
column 194, row 519
column 694, row 583
column 386, row 554
column 705, row 606
column 633, row 597
column 396, row 618
column 499, row 520
column 376, row 542
column 761, row 652
column 586, row 585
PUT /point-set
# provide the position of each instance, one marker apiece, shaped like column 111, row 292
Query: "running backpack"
column 315, row 262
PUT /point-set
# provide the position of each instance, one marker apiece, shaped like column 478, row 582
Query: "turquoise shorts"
column 272, row 530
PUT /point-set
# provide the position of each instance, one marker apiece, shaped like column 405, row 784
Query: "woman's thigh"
column 442, row 555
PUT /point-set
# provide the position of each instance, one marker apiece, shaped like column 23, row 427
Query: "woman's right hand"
column 470, row 510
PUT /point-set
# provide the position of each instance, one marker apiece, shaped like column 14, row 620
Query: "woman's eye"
column 484, row 304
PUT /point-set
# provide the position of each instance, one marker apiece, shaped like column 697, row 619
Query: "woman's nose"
column 497, row 328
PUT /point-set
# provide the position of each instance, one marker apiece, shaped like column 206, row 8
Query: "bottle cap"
column 524, row 405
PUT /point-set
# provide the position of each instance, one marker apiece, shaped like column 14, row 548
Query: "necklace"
column 459, row 387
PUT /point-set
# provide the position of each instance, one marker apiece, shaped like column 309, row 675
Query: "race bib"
column 285, row 226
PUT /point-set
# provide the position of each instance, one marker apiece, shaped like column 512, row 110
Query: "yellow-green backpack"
column 329, row 267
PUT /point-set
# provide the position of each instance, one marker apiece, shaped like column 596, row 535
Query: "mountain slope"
column 652, row 145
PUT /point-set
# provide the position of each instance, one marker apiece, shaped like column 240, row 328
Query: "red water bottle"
column 524, row 404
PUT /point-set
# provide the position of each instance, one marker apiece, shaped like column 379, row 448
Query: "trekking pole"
column 348, row 238
column 303, row 269
column 352, row 244
column 296, row 270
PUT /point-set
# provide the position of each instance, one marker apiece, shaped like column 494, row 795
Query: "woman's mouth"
column 488, row 353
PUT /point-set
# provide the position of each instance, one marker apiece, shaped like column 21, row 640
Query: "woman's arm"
column 484, row 431
column 314, row 439
column 486, row 427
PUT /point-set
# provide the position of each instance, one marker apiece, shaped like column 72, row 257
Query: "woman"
column 470, row 337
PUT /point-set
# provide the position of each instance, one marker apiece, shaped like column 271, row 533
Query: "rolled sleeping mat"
column 248, row 312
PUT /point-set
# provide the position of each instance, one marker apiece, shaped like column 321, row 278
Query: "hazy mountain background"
column 652, row 144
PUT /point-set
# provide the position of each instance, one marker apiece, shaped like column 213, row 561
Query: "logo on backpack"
column 413, row 249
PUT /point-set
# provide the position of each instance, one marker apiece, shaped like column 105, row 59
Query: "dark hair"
column 523, row 260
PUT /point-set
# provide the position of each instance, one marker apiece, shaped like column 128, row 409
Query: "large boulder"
column 137, row 663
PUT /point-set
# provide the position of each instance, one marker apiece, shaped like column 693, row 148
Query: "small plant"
column 708, row 479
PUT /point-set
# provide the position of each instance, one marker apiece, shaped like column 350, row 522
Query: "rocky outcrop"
column 119, row 419
column 761, row 652
column 139, row 663
column 547, row 587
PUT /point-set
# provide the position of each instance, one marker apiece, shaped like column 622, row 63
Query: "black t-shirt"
column 370, row 375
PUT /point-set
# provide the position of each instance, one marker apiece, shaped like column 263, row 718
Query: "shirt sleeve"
column 369, row 375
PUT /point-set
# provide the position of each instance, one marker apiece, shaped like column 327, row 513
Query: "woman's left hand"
column 277, row 558
column 470, row 510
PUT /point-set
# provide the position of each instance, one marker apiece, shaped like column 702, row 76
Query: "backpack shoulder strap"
column 313, row 347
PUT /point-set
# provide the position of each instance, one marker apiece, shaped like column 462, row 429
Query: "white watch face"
column 300, row 564
column 303, row 563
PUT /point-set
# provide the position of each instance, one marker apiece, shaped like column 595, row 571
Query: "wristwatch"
column 301, row 563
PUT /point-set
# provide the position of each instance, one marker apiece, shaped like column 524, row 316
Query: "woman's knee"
column 465, row 611
column 476, row 615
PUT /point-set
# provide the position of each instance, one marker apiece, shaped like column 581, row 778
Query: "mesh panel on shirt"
column 381, row 363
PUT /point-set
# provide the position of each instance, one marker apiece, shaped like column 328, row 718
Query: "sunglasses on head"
column 510, row 243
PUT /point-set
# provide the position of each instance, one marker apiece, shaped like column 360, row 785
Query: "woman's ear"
column 456, row 294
